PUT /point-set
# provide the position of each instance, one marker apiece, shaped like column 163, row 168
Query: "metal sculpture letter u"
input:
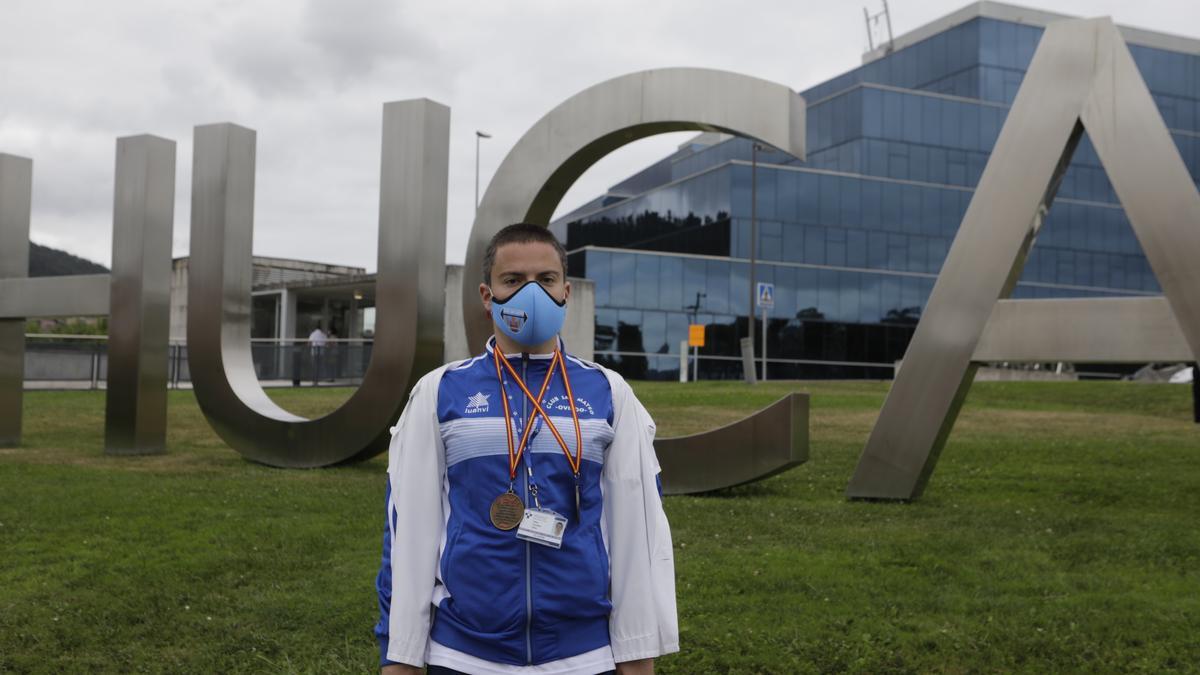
column 409, row 293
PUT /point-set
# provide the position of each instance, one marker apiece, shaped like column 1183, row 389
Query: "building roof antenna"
column 873, row 19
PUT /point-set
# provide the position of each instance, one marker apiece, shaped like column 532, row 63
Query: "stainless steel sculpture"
column 1089, row 330
column 409, row 291
column 576, row 134
column 16, row 186
column 1082, row 76
column 768, row 442
column 137, row 292
column 551, row 156
column 139, row 308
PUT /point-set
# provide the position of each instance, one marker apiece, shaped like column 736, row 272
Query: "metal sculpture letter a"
column 1082, row 77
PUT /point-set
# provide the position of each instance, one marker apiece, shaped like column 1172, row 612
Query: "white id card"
column 542, row 526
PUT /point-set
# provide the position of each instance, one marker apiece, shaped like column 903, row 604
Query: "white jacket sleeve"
column 416, row 466
column 643, row 623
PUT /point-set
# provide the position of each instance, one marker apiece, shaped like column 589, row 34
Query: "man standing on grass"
column 525, row 531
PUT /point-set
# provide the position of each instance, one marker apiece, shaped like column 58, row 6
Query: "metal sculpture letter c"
column 555, row 152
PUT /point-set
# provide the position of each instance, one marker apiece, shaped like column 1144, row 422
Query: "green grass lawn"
column 1059, row 533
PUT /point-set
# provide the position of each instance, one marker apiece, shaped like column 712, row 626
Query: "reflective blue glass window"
column 624, row 288
column 739, row 288
column 891, row 206
column 808, row 206
column 786, row 194
column 829, row 294
column 647, row 282
column 677, row 330
column 695, row 280
column 793, row 242
column 876, row 158
column 877, row 250
column 918, row 163
column 850, row 191
column 938, row 248
column 814, row 245
column 717, row 272
column 890, row 296
column 893, row 113
column 830, row 199
column 856, row 248
column 897, row 252
column 912, row 118
column 671, row 283
column 872, row 112
column 835, row 246
column 849, row 300
column 869, row 291
column 910, row 209
column 785, row 291
column 740, row 233
column 770, row 240
column 654, row 332
column 606, row 329
column 807, row 289
column 872, row 203
column 766, row 192
column 938, row 165
column 951, row 125
column 911, row 289
column 599, row 270
column 629, row 330
column 917, row 254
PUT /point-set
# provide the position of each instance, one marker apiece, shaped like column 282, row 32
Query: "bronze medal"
column 507, row 511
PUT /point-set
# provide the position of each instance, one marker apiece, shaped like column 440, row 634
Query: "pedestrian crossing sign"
column 766, row 295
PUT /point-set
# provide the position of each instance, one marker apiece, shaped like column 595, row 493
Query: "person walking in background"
column 316, row 348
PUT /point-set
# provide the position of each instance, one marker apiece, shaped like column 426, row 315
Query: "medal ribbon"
column 514, row 457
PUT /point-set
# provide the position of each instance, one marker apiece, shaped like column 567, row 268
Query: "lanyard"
column 514, row 456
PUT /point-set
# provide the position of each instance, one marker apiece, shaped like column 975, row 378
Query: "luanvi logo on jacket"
column 477, row 403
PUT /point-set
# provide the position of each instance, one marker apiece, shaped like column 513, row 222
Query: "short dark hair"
column 521, row 233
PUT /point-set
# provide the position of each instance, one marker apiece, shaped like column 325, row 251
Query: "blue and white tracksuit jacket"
column 499, row 598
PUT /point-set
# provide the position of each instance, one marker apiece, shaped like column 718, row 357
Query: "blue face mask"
column 531, row 316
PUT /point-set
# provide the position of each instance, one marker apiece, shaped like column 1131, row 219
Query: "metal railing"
column 81, row 361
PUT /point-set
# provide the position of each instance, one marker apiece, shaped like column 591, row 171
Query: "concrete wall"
column 579, row 331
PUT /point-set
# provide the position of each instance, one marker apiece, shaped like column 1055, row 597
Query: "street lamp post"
column 753, row 232
column 754, row 150
column 478, row 135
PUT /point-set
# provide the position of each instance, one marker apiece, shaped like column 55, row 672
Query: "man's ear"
column 485, row 296
column 566, row 291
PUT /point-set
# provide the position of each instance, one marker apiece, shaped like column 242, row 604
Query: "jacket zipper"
column 528, row 564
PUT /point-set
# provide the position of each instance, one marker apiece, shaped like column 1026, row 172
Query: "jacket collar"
column 490, row 347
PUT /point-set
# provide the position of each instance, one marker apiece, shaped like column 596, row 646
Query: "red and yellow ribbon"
column 514, row 455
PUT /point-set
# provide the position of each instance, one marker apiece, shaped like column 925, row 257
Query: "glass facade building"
column 854, row 237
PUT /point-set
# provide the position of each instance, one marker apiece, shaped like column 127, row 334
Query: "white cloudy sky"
column 311, row 75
